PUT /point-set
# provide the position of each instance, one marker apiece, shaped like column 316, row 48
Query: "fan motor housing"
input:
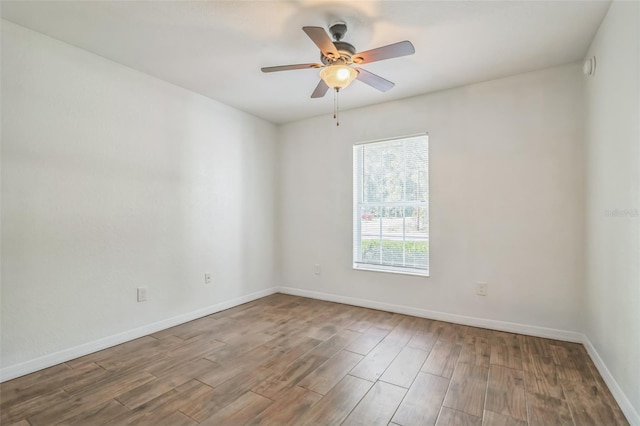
column 346, row 51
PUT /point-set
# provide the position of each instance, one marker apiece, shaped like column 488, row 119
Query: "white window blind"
column 391, row 205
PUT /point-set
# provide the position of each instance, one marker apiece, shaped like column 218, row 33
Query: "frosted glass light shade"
column 338, row 76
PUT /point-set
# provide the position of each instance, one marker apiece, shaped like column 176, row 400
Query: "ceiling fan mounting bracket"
column 338, row 30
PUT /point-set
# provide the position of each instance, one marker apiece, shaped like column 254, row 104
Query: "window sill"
column 391, row 270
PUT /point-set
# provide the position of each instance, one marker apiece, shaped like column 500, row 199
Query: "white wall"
column 506, row 199
column 113, row 180
column 613, row 254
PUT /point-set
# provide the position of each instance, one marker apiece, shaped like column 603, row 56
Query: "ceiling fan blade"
column 321, row 90
column 395, row 50
column 320, row 37
column 374, row 80
column 290, row 67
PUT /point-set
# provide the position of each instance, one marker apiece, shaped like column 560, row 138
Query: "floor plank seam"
column 486, row 392
column 526, row 397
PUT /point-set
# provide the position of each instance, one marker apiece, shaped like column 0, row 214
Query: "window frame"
column 358, row 202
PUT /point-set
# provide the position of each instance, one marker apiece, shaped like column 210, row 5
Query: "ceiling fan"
column 339, row 57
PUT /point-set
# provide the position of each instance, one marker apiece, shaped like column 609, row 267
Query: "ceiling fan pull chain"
column 337, row 106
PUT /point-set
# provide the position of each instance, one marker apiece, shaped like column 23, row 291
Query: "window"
column 391, row 205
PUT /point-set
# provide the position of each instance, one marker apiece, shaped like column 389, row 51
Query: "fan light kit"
column 338, row 76
column 338, row 58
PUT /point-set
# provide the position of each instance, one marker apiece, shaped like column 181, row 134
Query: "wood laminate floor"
column 291, row 360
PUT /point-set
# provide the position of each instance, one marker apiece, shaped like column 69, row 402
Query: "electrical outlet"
column 481, row 289
column 208, row 278
column 316, row 269
column 142, row 294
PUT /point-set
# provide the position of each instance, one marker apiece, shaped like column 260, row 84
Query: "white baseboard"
column 532, row 330
column 17, row 370
column 625, row 405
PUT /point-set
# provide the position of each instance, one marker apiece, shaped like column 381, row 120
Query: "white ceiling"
column 216, row 48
